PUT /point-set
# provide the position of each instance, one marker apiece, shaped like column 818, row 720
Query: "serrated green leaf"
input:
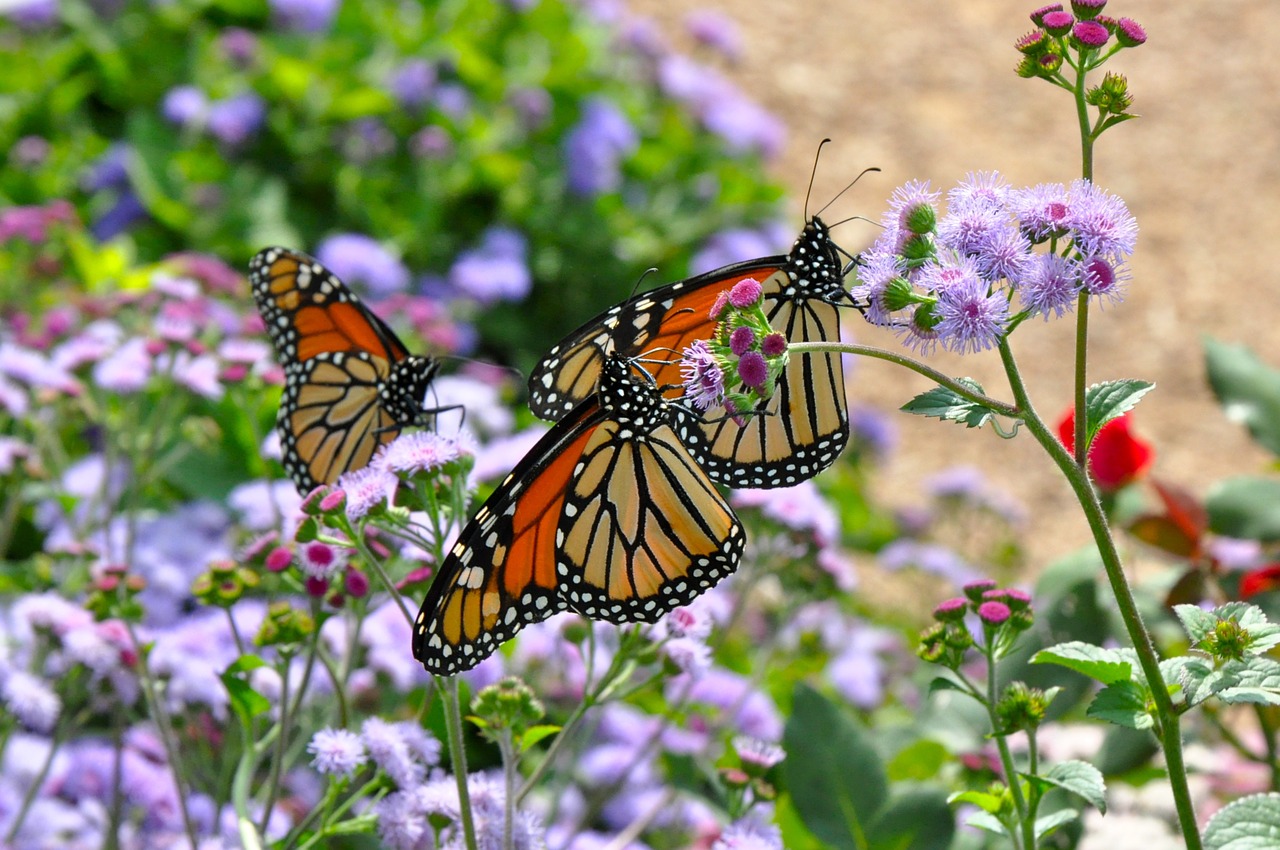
column 1198, row 622
column 1252, row 680
column 535, row 734
column 1110, row 400
column 1197, row 677
column 1250, row 823
column 1051, row 822
column 1247, row 389
column 1082, row 779
column 942, row 403
column 1096, row 662
column 835, row 779
column 1255, row 696
column 1246, row 507
column 1122, row 703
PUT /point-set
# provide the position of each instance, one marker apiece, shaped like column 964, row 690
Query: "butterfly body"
column 350, row 384
column 607, row 516
column 798, row 433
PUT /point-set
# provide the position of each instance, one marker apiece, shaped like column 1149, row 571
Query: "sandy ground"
column 926, row 90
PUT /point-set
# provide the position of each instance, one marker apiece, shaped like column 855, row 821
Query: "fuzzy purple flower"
column 703, row 376
column 745, row 126
column 741, row 340
column 127, row 211
column 126, row 370
column 689, row 655
column 878, row 270
column 185, row 106
column 1057, row 23
column 993, row 613
column 422, row 451
column 968, row 227
column 365, row 489
column 496, row 271
column 1041, row 210
column 902, row 204
column 234, row 120
column 980, row 187
column 309, row 16
column 336, row 752
column 1100, row 222
column 412, row 83
column 1049, row 285
column 320, row 560
column 361, row 260
column 1130, row 33
column 951, row 610
column 31, row 701
column 758, row 753
column 389, row 750
column 1090, row 34
column 715, row 30
column 749, row 834
column 972, row 318
column 736, row 244
column 746, row 293
column 596, row 147
column 1003, row 255
column 773, row 345
column 1104, row 278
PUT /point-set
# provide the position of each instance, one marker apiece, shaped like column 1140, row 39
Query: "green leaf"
column 987, row 802
column 920, row 760
column 942, row 683
column 1247, row 389
column 1247, row 507
column 942, row 403
column 1253, row 680
column 917, row 818
column 1124, row 750
column 1082, row 779
column 1250, row 823
column 835, row 778
column 1198, row 622
column 246, row 702
column 245, row 664
column 988, row 822
column 1122, row 703
column 534, row 734
column 1051, row 822
column 1111, row 400
column 1105, row 665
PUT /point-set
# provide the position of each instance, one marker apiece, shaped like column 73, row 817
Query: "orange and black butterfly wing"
column 338, row 360
column 501, row 574
column 607, row 516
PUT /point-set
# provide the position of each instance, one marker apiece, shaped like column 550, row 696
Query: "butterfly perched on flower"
column 608, row 515
column 801, row 429
column 350, row 384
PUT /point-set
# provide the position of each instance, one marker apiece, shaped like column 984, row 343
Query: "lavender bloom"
column 873, row 430
column 366, row 140
column 336, row 752
column 431, row 143
column 30, row 152
column 595, row 148
column 496, row 271
column 858, row 672
column 239, row 45
column 127, row 211
column 902, row 203
column 715, row 30
column 753, row 712
column 185, row 106
column 703, row 376
column 967, row 227
column 1049, row 285
column 366, row 489
column 32, row 14
column 749, row 834
column 972, row 318
column 109, row 171
column 361, row 260
column 758, row 753
column 311, row 16
column 878, row 270
column 402, row 821
column 236, row 119
column 987, row 188
column 1004, row 255
column 930, row 558
column 421, row 451
column 31, row 701
column 1041, row 210
column 745, row 125
column 126, row 370
column 738, row 243
column 1100, row 222
column 389, row 751
column 533, row 105
column 1104, row 278
column 453, row 100
column 411, row 84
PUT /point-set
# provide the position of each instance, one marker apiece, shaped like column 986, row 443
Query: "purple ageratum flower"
column 745, row 126
column 746, row 293
column 127, row 211
column 1041, row 210
column 736, row 244
column 496, row 271
column 1090, row 34
column 1003, row 255
column 902, row 203
column 336, row 752
column 980, row 187
column 313, row 16
column 1049, row 285
column 1100, row 222
column 877, row 271
column 31, row 701
column 749, row 834
column 32, row 14
column 453, row 100
column 320, row 560
column 993, row 613
column 361, row 260
column 411, row 84
column 366, row 489
column 431, row 143
column 596, row 146
column 967, row 227
column 927, row 557
column 185, row 106
column 1130, row 33
column 126, row 370
column 688, row 654
column 873, row 431
column 234, row 120
column 402, row 820
column 1103, row 278
column 239, row 46
column 703, row 376
column 389, row 750
column 972, row 317
column 761, row 754
column 422, row 451
column 715, row 30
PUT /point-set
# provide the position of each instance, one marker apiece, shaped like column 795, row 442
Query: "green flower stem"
column 1002, row 744
column 448, row 686
column 1266, row 721
column 55, row 743
column 1166, row 716
column 1000, row 407
column 1081, row 423
column 242, row 784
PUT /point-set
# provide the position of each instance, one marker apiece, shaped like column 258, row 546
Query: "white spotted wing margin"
column 607, row 515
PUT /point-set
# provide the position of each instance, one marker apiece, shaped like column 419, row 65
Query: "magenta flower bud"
column 316, row 587
column 1090, row 34
column 311, row 502
column 1058, row 23
column 974, row 589
column 746, row 293
column 334, row 500
column 951, row 610
column 753, row 370
column 717, row 308
column 1130, row 33
column 1031, row 43
column 155, row 347
column 357, row 584
column 1017, row 600
column 279, row 559
column 993, row 613
column 1087, row 10
column 741, row 340
column 774, row 345
column 1037, row 17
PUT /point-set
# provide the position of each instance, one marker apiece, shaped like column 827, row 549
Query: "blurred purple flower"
column 366, row 489
column 361, row 260
column 108, row 171
column 125, row 370
column 801, row 508
column 31, row 701
column 35, row 370
column 496, row 271
column 716, row 30
column 265, row 505
column 984, row 188
column 367, row 139
column 431, row 143
column 534, row 105
column 483, row 401
column 423, row 451
column 858, row 673
column 123, row 214
column 235, row 119
column 32, row 223
column 411, row 83
column 239, row 45
column 1049, row 285
column 32, row 14
column 310, row 16
column 11, row 450
column 874, row 431
column 596, row 146
column 185, row 106
column 336, row 752
column 745, row 126
column 452, row 99
column 929, row 557
column 737, row 244
column 30, row 151
column 496, row 458
column 749, row 834
column 752, row 711
column 389, row 751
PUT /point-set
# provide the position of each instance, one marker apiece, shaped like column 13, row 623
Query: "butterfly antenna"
column 812, row 174
column 862, row 174
column 639, row 281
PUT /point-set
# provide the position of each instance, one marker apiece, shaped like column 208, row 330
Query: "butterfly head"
column 404, row 392
column 628, row 397
column 815, row 266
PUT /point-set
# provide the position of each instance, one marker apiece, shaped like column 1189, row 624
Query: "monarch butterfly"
column 607, row 515
column 804, row 426
column 350, row 385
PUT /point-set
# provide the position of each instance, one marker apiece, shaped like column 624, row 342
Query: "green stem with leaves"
column 448, row 686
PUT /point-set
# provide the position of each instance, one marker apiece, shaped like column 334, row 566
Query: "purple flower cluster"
column 950, row 280
column 597, row 146
column 495, row 271
column 360, row 260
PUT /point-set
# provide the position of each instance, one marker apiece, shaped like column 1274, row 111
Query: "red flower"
column 1260, row 580
column 1116, row 456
